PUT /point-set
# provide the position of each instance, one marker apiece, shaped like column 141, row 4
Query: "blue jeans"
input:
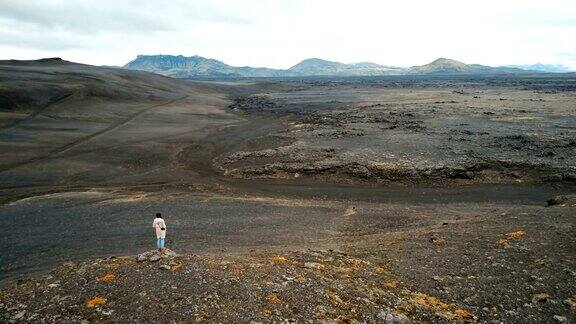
column 160, row 243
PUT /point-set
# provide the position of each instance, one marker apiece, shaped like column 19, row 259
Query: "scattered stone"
column 437, row 278
column 558, row 200
column 570, row 177
column 555, row 177
column 19, row 315
column 540, row 298
column 560, row 319
column 437, row 240
column 569, row 200
column 390, row 317
column 314, row 265
column 164, row 267
column 155, row 255
column 570, row 303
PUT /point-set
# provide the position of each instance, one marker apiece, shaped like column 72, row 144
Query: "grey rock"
column 19, row 315
column 164, row 267
column 390, row 317
column 540, row 298
column 155, row 255
column 555, row 177
column 560, row 319
column 558, row 200
column 571, row 177
column 570, row 303
column 313, row 265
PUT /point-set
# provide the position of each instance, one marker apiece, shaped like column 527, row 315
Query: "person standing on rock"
column 160, row 226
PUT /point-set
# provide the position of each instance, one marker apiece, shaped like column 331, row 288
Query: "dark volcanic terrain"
column 369, row 199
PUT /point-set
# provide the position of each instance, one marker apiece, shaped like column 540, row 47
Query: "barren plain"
column 377, row 199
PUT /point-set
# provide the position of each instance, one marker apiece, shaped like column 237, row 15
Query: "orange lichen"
column 425, row 300
column 393, row 241
column 515, row 235
column 380, row 269
column 376, row 291
column 390, row 284
column 436, row 305
column 463, row 313
column 357, row 263
column 175, row 267
column 438, row 241
column 333, row 296
column 237, row 270
column 273, row 298
column 96, row 301
column 510, row 237
column 501, row 242
column 278, row 259
column 266, row 312
column 109, row 277
column 298, row 278
column 345, row 320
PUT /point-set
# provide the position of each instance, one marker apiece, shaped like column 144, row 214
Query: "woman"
column 160, row 226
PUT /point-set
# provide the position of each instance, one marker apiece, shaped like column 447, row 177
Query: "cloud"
column 279, row 33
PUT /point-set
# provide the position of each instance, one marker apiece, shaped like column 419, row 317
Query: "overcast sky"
column 280, row 33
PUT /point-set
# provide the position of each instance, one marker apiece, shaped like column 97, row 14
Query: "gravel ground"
column 511, row 264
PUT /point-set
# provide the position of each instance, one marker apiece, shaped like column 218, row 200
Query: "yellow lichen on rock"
column 109, row 277
column 510, row 237
column 95, row 301
column 357, row 264
column 390, row 284
column 175, row 266
column 299, row 278
column 515, row 235
column 449, row 311
column 273, row 298
column 278, row 259
column 463, row 313
column 334, row 297
column 380, row 269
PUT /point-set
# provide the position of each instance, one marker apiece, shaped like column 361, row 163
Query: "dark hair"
column 158, row 215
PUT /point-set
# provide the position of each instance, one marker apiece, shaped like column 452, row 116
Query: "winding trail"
column 36, row 112
column 84, row 139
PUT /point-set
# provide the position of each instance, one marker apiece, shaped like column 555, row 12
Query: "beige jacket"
column 157, row 225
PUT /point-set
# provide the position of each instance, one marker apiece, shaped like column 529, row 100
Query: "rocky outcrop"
column 155, row 255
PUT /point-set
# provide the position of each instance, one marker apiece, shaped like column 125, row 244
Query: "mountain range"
column 197, row 66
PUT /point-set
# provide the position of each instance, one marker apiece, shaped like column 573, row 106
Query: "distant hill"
column 550, row 68
column 448, row 66
column 319, row 67
column 197, row 66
